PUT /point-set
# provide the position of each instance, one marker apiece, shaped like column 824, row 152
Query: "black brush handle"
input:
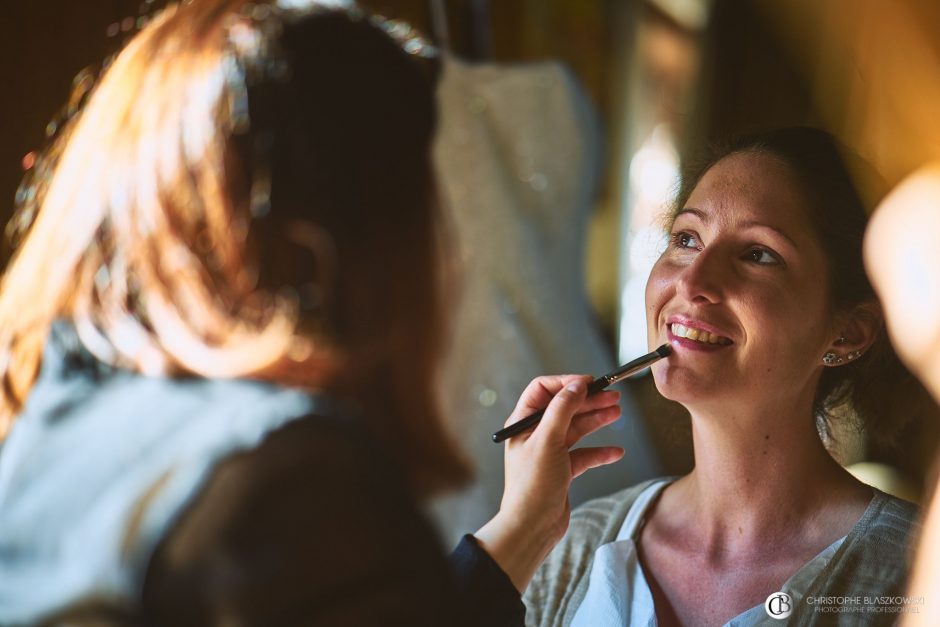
column 595, row 386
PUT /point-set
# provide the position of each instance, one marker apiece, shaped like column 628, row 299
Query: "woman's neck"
column 762, row 477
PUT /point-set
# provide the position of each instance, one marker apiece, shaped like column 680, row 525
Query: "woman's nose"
column 704, row 279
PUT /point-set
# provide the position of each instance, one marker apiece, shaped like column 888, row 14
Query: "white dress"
column 517, row 158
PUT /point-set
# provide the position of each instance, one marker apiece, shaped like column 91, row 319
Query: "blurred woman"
column 219, row 334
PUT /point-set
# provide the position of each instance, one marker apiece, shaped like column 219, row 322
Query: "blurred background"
column 564, row 124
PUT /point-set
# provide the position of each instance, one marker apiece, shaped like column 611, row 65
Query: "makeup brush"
column 596, row 385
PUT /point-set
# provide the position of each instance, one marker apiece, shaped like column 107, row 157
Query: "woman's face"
column 741, row 291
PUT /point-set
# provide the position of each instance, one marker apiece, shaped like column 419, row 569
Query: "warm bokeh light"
column 903, row 259
column 874, row 68
column 29, row 160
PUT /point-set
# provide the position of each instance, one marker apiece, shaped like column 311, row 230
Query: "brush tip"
column 664, row 351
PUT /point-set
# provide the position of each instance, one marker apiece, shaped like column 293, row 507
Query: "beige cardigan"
column 872, row 561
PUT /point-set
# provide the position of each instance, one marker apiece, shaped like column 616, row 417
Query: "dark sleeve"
column 315, row 526
column 484, row 587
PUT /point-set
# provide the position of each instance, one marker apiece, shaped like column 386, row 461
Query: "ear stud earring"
column 832, row 359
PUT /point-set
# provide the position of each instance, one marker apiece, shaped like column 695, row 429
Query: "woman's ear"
column 857, row 331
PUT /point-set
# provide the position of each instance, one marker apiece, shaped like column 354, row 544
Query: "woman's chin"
column 687, row 387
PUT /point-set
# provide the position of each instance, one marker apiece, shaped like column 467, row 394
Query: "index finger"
column 561, row 410
column 538, row 394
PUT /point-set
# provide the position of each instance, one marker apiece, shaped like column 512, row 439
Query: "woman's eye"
column 762, row 256
column 684, row 240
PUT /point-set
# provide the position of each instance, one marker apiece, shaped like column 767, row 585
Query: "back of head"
column 247, row 193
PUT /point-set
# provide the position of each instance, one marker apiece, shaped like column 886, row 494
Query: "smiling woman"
column 744, row 263
column 808, row 214
column 762, row 295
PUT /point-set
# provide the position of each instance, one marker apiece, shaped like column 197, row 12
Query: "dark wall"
column 45, row 44
column 748, row 81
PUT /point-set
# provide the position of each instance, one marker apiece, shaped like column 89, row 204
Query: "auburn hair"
column 143, row 227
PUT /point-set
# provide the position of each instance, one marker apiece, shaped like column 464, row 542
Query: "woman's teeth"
column 697, row 335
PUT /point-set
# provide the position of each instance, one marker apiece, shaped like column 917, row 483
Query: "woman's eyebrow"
column 752, row 224
column 696, row 212
column 706, row 218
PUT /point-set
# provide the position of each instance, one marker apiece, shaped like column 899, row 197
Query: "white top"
column 618, row 594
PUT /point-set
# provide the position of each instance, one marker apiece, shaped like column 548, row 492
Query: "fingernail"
column 575, row 386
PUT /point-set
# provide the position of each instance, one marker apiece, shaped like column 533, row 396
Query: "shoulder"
column 599, row 519
column 886, row 530
column 148, row 446
column 289, row 531
column 319, row 452
column 875, row 558
column 560, row 582
column 896, row 521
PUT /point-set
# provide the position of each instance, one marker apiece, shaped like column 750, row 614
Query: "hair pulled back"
column 873, row 389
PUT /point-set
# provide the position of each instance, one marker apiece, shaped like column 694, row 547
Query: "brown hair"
column 149, row 238
column 876, row 389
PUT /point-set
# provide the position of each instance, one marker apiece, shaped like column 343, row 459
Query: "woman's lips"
column 696, row 325
column 713, row 342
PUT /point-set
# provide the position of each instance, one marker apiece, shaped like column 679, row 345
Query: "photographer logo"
column 778, row 605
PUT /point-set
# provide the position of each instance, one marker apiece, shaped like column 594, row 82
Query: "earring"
column 832, row 359
column 853, row 355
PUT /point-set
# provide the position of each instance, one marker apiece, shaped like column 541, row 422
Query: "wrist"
column 517, row 549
